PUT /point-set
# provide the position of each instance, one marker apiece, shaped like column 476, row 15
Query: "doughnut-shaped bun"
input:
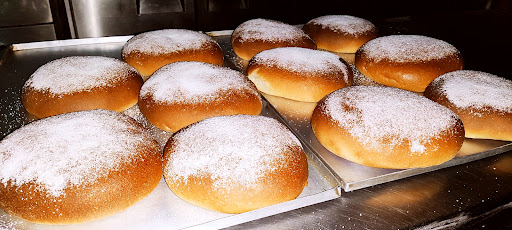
column 386, row 127
column 407, row 62
column 77, row 167
column 235, row 164
column 149, row 51
column 182, row 93
column 483, row 102
column 340, row 33
column 78, row 83
column 298, row 73
column 256, row 35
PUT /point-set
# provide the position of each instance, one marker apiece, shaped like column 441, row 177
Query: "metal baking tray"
column 161, row 209
column 355, row 176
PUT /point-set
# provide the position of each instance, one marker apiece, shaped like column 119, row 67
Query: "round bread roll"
column 256, row 35
column 149, row 51
column 407, row 62
column 385, row 127
column 483, row 102
column 340, row 33
column 298, row 73
column 235, row 164
column 182, row 93
column 78, row 83
column 77, row 167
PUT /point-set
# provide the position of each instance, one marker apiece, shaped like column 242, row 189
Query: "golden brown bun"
column 378, row 127
column 81, row 83
column 98, row 188
column 483, row 102
column 149, row 51
column 220, row 91
column 256, row 35
column 298, row 73
column 235, row 164
column 340, row 33
column 407, row 62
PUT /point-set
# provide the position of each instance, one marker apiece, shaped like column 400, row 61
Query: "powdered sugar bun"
column 298, row 73
column 235, row 164
column 340, row 33
column 149, row 51
column 256, row 35
column 408, row 62
column 77, row 167
column 386, row 127
column 482, row 100
column 81, row 83
column 182, row 93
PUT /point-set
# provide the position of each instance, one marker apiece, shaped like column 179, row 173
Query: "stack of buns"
column 222, row 155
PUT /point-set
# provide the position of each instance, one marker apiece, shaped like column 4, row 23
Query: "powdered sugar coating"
column 78, row 73
column 407, row 48
column 476, row 89
column 373, row 113
column 304, row 61
column 229, row 149
column 166, row 41
column 70, row 149
column 191, row 82
column 267, row 30
column 344, row 24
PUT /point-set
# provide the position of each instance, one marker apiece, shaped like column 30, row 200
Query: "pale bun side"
column 481, row 100
column 256, row 35
column 299, row 74
column 89, row 165
column 235, row 164
column 340, row 33
column 407, row 62
column 383, row 132
column 151, row 50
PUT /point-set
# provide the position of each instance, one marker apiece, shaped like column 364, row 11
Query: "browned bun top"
column 149, row 51
column 77, row 167
column 408, row 62
column 387, row 127
column 340, row 33
column 256, row 35
column 81, row 83
column 483, row 101
column 235, row 164
column 182, row 93
column 298, row 73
